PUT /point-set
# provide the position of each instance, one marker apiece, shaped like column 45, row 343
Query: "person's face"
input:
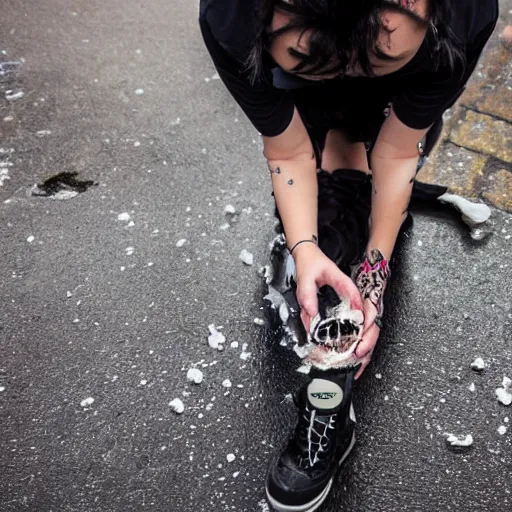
column 400, row 39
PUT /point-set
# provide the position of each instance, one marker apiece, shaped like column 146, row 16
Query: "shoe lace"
column 314, row 430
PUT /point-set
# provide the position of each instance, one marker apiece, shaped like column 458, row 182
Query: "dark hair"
column 346, row 31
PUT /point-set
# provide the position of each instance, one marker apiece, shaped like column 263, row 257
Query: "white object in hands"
column 330, row 344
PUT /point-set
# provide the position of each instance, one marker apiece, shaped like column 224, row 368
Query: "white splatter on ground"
column 230, row 457
column 13, row 96
column 216, row 339
column 139, row 92
column 263, row 505
column 246, row 257
column 2, row 388
column 245, row 355
column 194, row 375
column 177, row 406
column 234, row 344
column 4, row 176
column 129, row 251
column 227, row 383
column 478, row 364
column 30, row 239
column 87, row 401
column 230, row 209
column 459, row 441
column 504, row 394
column 123, row 216
column 181, row 242
column 502, row 430
column 472, row 387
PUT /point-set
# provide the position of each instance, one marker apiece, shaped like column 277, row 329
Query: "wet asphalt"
column 101, row 318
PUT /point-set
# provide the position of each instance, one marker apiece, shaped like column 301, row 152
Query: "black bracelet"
column 302, row 242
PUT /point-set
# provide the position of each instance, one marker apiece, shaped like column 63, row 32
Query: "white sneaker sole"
column 312, row 505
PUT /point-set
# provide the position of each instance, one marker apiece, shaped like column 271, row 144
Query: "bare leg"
column 340, row 153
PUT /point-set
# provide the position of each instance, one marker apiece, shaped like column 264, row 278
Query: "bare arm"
column 292, row 166
column 393, row 162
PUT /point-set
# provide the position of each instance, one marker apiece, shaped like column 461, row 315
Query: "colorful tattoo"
column 371, row 278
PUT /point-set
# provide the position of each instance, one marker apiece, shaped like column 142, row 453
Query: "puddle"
column 65, row 185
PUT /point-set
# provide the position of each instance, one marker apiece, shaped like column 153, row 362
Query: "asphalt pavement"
column 106, row 298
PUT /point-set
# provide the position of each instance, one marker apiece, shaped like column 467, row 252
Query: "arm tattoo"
column 277, row 170
column 290, row 182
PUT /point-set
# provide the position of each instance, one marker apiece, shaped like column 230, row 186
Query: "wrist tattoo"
column 371, row 278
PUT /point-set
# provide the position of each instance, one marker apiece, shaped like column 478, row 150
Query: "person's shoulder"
column 232, row 24
column 470, row 17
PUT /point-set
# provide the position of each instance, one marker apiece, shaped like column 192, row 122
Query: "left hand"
column 369, row 337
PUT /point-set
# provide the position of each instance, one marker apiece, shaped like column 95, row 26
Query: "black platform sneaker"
column 302, row 477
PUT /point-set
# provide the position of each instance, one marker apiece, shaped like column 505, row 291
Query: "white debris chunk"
column 472, row 387
column 245, row 355
column 216, row 339
column 502, row 430
column 229, row 209
column 181, row 242
column 230, row 457
column 30, row 239
column 194, row 375
column 263, row 505
column 284, row 313
column 139, row 92
column 227, row 383
column 224, row 226
column 87, row 401
column 378, row 376
column 177, row 406
column 478, row 364
column 459, row 441
column 234, row 344
column 12, row 96
column 259, row 321
column 504, row 394
column 246, row 257
column 129, row 251
column 123, row 216
column 42, row 133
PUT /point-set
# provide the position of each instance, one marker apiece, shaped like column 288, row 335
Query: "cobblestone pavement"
column 474, row 155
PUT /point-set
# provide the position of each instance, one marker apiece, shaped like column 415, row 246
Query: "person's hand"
column 314, row 270
column 371, row 331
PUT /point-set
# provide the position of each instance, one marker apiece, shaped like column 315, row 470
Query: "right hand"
column 314, row 270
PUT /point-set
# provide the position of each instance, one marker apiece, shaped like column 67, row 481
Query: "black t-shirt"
column 419, row 92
